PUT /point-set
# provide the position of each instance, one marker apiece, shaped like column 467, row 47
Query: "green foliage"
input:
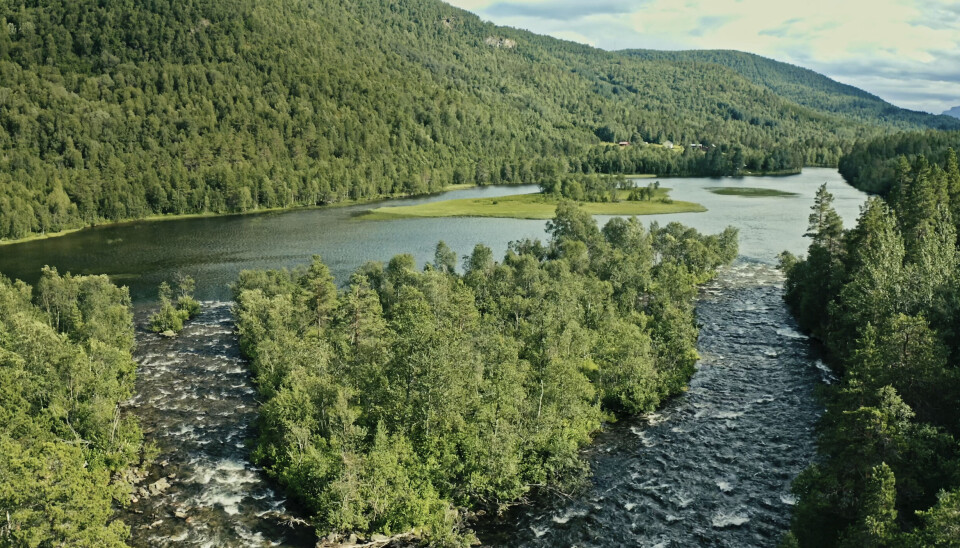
column 883, row 298
column 874, row 165
column 173, row 314
column 429, row 391
column 114, row 111
column 65, row 367
column 804, row 87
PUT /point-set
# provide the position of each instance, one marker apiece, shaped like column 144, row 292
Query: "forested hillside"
column 124, row 109
column 65, row 366
column 390, row 405
column 876, row 165
column 806, row 87
column 885, row 299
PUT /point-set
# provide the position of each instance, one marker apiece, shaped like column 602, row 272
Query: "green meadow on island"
column 531, row 206
column 750, row 192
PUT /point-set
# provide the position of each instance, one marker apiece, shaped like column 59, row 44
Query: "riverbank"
column 531, row 206
column 211, row 214
column 714, row 465
column 778, row 173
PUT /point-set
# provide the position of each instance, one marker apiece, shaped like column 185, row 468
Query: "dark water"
column 713, row 468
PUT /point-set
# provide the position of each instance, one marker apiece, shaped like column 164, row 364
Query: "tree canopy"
column 420, row 393
column 65, row 367
column 884, row 298
column 121, row 110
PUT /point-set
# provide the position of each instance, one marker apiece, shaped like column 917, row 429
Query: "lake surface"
column 712, row 468
column 214, row 249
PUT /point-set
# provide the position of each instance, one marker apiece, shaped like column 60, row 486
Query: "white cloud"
column 914, row 39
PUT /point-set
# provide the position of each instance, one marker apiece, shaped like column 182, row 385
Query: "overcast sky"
column 906, row 51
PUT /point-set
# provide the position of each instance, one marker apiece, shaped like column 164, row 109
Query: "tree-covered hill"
column 117, row 110
column 874, row 165
column 806, row 87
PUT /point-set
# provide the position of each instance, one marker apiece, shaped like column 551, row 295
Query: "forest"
column 875, row 165
column 884, row 298
column 411, row 398
column 124, row 110
column 804, row 87
column 65, row 368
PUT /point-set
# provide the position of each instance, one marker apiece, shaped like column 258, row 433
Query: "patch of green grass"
column 749, row 192
column 529, row 206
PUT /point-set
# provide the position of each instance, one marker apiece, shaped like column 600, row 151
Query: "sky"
column 905, row 51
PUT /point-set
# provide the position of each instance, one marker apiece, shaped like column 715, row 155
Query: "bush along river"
column 712, row 467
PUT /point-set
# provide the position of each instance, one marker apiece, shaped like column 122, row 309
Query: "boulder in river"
column 159, row 486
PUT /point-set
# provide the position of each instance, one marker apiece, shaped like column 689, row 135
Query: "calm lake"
column 713, row 467
column 213, row 250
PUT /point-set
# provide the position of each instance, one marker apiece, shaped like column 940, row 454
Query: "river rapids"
column 712, row 468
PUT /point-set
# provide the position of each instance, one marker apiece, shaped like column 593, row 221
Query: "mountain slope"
column 954, row 112
column 119, row 110
column 806, row 87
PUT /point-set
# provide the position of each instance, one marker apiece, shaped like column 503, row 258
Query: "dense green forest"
column 65, row 366
column 875, row 165
column 117, row 110
column 409, row 395
column 884, row 298
column 805, row 87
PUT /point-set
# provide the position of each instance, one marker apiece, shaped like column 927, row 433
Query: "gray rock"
column 159, row 486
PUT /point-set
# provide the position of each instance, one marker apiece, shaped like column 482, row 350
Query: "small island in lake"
column 750, row 192
column 595, row 195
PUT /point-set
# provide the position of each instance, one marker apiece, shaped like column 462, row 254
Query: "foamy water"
column 196, row 402
column 714, row 466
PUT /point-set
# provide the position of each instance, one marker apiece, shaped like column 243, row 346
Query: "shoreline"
column 159, row 217
column 346, row 203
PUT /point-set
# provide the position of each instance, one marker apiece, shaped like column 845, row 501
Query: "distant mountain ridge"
column 805, row 87
column 119, row 110
column 955, row 112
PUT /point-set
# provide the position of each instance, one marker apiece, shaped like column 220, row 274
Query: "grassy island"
column 750, row 192
column 532, row 206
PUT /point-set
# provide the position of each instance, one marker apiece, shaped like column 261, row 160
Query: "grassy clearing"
column 749, row 192
column 528, row 206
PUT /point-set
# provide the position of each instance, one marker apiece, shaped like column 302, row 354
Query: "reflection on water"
column 213, row 250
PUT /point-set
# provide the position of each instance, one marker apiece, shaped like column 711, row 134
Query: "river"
column 712, row 468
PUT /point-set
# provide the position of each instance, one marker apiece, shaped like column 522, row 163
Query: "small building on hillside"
column 668, row 144
column 624, row 143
